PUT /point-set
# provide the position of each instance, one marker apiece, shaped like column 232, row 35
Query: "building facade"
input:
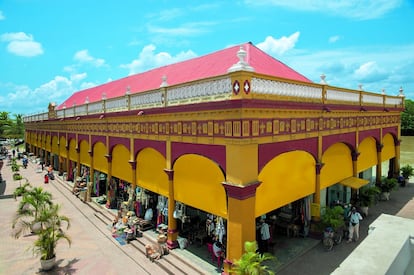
column 232, row 136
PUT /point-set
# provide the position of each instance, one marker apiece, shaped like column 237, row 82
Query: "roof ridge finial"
column 401, row 90
column 242, row 65
column 323, row 77
column 164, row 82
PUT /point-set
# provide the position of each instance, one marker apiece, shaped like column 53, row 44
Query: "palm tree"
column 252, row 262
column 32, row 203
column 22, row 189
column 4, row 122
column 50, row 223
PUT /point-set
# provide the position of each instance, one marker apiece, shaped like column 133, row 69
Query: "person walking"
column 354, row 218
column 264, row 237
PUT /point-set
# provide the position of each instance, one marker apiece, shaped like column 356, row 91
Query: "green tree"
column 5, row 123
column 407, row 118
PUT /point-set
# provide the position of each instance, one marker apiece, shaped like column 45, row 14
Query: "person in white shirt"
column 354, row 218
column 264, row 236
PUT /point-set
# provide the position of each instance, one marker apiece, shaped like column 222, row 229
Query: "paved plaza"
column 94, row 251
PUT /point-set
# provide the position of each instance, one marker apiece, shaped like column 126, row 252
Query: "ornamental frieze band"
column 243, row 128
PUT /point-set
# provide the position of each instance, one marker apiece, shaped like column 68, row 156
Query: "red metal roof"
column 209, row 65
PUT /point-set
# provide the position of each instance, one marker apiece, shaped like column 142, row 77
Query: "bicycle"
column 331, row 238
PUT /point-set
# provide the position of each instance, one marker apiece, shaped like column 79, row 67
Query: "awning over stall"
column 354, row 182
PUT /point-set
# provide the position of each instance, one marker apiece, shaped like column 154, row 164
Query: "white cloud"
column 86, row 85
column 279, row 46
column 369, row 72
column 356, row 9
column 22, row 44
column 148, row 59
column 334, row 38
column 376, row 68
column 22, row 99
column 83, row 56
column 78, row 77
column 2, row 17
column 189, row 29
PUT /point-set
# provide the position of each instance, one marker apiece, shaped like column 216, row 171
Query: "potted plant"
column 51, row 232
column 388, row 185
column 366, row 197
column 333, row 220
column 251, row 262
column 407, row 171
column 37, row 213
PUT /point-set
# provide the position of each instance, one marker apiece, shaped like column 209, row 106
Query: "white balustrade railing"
column 142, row 100
column 118, row 103
column 81, row 110
column 338, row 95
column 394, row 101
column 221, row 89
column 95, row 107
column 265, row 86
column 372, row 99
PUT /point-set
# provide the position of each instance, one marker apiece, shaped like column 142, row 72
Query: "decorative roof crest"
column 242, row 65
column 164, row 82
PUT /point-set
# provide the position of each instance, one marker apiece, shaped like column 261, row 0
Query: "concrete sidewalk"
column 93, row 250
column 317, row 261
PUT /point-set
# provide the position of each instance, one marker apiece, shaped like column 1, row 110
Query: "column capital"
column 109, row 158
column 319, row 166
column 133, row 164
column 355, row 154
column 241, row 192
column 379, row 147
column 170, row 174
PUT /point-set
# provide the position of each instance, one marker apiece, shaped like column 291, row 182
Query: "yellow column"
column 397, row 158
column 67, row 160
column 172, row 231
column 133, row 163
column 241, row 183
column 109, row 180
column 317, row 194
column 91, row 177
column 355, row 155
column 241, row 222
column 379, row 164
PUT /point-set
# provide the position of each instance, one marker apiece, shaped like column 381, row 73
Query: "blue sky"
column 50, row 49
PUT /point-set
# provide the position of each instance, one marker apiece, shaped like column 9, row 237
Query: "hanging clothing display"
column 220, row 229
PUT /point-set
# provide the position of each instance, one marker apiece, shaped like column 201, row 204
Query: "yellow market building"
column 233, row 135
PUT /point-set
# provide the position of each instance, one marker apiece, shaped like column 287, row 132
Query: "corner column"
column 241, row 223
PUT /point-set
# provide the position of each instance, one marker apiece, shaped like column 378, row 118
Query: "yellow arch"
column 198, row 183
column 286, row 178
column 120, row 163
column 48, row 145
column 85, row 158
column 388, row 150
column 73, row 155
column 100, row 163
column 55, row 145
column 337, row 165
column 368, row 154
column 62, row 147
column 150, row 171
